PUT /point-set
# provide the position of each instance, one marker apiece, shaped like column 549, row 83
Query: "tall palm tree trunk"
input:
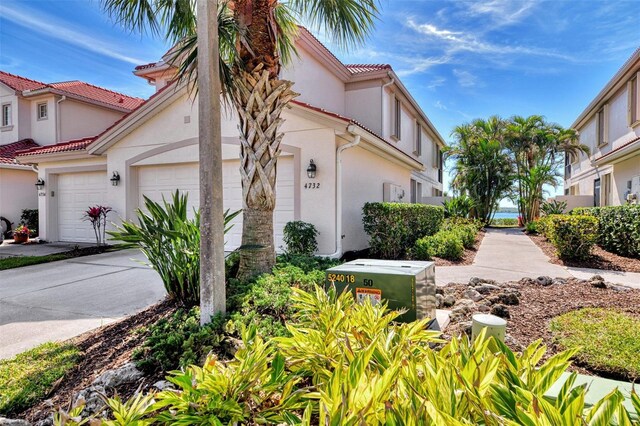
column 260, row 100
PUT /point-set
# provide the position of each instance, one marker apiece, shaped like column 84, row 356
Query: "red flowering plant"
column 22, row 231
column 97, row 216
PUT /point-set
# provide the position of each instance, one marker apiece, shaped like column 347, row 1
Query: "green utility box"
column 408, row 285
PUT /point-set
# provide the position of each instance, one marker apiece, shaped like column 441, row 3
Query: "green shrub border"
column 618, row 228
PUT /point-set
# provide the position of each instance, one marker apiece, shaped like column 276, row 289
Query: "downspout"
column 382, row 120
column 356, row 140
column 58, row 120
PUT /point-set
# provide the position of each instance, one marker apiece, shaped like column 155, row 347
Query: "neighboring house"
column 610, row 127
column 37, row 114
column 361, row 127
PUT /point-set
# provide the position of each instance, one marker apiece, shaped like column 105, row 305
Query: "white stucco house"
column 36, row 114
column 366, row 134
column 610, row 127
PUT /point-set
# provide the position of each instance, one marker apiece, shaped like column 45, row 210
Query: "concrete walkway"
column 59, row 300
column 507, row 254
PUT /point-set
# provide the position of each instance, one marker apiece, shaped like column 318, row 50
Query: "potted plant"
column 21, row 234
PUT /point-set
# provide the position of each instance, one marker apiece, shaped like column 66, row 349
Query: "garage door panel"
column 77, row 192
column 155, row 181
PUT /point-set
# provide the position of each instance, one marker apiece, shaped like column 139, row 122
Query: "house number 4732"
column 312, row 185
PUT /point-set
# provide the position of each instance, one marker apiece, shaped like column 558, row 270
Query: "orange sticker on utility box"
column 373, row 294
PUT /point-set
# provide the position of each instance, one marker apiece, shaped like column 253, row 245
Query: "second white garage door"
column 156, row 181
column 76, row 193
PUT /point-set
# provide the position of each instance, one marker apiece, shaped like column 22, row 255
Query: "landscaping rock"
column 508, row 298
column 439, row 290
column 615, row 287
column 487, row 288
column 163, row 384
column 484, row 308
column 448, row 301
column 510, row 341
column 465, row 327
column 500, row 311
column 475, row 281
column 473, row 295
column 465, row 305
column 92, row 398
column 439, row 300
column 559, row 281
column 128, row 373
column 13, row 422
column 544, row 281
column 48, row 421
column 527, row 281
column 597, row 281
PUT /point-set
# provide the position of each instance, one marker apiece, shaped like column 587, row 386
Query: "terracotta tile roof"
column 362, row 68
column 145, row 66
column 74, row 88
column 73, row 145
column 8, row 151
column 99, row 94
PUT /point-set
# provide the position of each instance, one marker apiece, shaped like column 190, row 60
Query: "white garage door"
column 76, row 193
column 156, row 181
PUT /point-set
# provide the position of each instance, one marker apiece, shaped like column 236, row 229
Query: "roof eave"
column 621, row 154
column 78, row 154
column 46, row 90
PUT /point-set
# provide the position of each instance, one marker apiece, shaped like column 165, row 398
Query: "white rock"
column 128, row 373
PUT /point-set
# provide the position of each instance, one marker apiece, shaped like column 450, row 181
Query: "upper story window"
column 417, row 146
column 6, row 115
column 601, row 126
column 634, row 101
column 397, row 118
column 42, row 111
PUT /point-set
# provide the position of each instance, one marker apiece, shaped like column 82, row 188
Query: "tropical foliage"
column 458, row 206
column 255, row 37
column 345, row 363
column 300, row 238
column 97, row 217
column 171, row 242
column 618, row 228
column 553, row 207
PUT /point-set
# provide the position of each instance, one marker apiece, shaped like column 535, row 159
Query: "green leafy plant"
column 300, row 238
column 466, row 232
column 178, row 341
column 393, row 228
column 618, row 228
column 532, row 227
column 444, row 244
column 29, row 218
column 573, row 236
column 460, row 206
column 553, row 207
column 504, row 221
column 171, row 243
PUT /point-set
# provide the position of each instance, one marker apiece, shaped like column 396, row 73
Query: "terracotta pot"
column 20, row 238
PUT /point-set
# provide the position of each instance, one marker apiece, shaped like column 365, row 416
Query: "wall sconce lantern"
column 115, row 179
column 311, row 170
column 40, row 184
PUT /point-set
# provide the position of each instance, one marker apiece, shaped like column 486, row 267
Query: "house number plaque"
column 312, row 185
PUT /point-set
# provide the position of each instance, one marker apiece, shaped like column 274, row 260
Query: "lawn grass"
column 609, row 341
column 19, row 261
column 29, row 376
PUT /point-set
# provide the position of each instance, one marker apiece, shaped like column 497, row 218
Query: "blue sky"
column 460, row 60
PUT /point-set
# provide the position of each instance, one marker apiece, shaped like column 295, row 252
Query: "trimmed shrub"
column 572, row 235
column 618, row 228
column 458, row 207
column 456, row 221
column 300, row 238
column 531, row 227
column 29, row 218
column 444, row 244
column 467, row 233
column 394, row 228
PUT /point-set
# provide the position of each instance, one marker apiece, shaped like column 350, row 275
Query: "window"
column 440, row 165
column 606, row 190
column 42, row 111
column 634, row 101
column 436, row 192
column 397, row 118
column 6, row 115
column 596, row 192
column 567, row 166
column 414, row 190
column 417, row 149
column 601, row 126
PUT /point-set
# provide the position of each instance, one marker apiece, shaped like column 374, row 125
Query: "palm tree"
column 537, row 149
column 256, row 38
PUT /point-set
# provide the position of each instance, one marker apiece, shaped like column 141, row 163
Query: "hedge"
column 394, row 228
column 572, row 235
column 444, row 244
column 618, row 228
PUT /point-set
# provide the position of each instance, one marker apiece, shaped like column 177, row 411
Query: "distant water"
column 505, row 215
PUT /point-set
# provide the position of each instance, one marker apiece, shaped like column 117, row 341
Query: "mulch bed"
column 103, row 349
column 468, row 256
column 599, row 259
column 540, row 304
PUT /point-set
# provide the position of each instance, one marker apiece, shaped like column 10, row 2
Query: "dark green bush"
column 618, row 228
column 266, row 302
column 531, row 227
column 178, row 341
column 29, row 218
column 394, row 228
column 444, row 244
column 572, row 235
column 300, row 238
column 307, row 263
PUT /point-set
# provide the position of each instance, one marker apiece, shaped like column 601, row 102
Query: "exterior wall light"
column 40, row 184
column 311, row 170
column 115, row 179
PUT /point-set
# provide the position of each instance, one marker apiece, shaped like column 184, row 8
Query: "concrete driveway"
column 59, row 300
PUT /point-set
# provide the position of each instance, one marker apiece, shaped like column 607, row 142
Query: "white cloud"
column 465, row 78
column 502, row 12
column 418, row 65
column 61, row 31
column 436, row 82
column 440, row 105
